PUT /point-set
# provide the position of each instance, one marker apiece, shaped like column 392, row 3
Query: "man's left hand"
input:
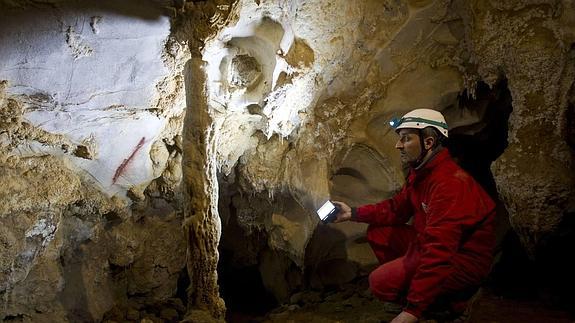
column 404, row 317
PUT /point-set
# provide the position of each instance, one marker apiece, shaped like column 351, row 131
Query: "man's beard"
column 407, row 163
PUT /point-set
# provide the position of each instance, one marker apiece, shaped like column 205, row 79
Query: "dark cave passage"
column 476, row 146
column 243, row 291
column 547, row 280
column 239, row 276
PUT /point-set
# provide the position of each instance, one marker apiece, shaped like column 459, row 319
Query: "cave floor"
column 355, row 304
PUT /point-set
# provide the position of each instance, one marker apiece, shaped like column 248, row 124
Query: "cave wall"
column 91, row 105
column 287, row 105
column 534, row 51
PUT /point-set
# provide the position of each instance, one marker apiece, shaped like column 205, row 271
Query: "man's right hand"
column 344, row 213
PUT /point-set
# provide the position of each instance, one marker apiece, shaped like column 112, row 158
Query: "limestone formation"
column 202, row 226
column 90, row 160
column 143, row 143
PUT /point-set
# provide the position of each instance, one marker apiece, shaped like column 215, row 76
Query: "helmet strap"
column 423, row 150
column 423, row 156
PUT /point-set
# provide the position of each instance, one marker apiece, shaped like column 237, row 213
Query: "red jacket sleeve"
column 447, row 216
column 393, row 211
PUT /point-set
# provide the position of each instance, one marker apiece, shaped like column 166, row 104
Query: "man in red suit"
column 444, row 252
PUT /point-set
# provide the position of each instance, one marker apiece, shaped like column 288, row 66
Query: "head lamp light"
column 395, row 122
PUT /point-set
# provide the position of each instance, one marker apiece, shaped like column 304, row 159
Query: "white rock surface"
column 92, row 76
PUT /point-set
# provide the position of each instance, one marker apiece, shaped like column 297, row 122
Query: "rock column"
column 202, row 223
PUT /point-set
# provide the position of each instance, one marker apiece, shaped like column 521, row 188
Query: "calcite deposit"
column 91, row 106
column 143, row 143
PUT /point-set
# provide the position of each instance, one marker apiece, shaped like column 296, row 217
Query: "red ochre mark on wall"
column 126, row 161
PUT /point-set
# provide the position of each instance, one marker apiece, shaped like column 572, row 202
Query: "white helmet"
column 419, row 119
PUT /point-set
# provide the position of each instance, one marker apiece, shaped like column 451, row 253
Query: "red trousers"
column 390, row 281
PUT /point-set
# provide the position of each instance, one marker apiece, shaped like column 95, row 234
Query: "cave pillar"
column 535, row 181
column 535, row 173
column 202, row 224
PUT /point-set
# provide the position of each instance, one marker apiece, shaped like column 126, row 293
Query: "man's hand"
column 344, row 213
column 405, row 317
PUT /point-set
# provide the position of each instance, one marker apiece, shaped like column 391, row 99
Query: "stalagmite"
column 201, row 218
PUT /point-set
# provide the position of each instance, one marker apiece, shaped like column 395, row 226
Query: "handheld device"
column 327, row 212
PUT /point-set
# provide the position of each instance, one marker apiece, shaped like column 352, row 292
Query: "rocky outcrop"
column 107, row 84
column 530, row 44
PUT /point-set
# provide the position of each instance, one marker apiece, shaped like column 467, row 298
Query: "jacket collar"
column 438, row 158
column 435, row 160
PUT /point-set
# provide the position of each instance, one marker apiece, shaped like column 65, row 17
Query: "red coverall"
column 448, row 249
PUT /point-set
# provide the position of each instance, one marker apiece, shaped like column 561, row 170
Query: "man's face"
column 409, row 146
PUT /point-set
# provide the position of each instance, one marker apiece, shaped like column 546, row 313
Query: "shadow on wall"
column 239, row 276
column 243, row 290
column 549, row 278
column 477, row 145
column 569, row 127
column 328, row 263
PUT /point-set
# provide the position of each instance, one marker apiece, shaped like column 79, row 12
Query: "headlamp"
column 395, row 122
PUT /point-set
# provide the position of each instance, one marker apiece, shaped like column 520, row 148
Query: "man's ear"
column 428, row 142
